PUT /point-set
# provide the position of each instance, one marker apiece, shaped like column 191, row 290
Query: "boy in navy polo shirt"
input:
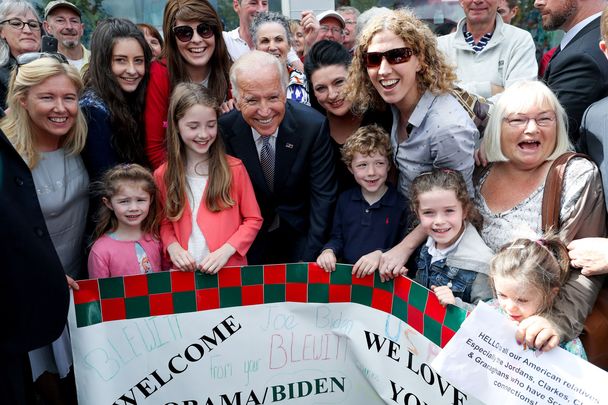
column 371, row 218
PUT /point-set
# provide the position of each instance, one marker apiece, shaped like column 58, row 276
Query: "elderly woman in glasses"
column 397, row 63
column 20, row 30
column 194, row 51
column 270, row 33
column 526, row 133
column 47, row 129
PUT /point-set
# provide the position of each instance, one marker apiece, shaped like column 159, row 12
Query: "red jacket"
column 155, row 113
column 237, row 225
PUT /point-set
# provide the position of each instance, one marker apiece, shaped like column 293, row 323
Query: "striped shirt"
column 477, row 47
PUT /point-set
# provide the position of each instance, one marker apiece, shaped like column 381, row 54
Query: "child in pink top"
column 126, row 240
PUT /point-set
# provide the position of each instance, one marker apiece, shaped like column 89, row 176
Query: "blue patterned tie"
column 267, row 161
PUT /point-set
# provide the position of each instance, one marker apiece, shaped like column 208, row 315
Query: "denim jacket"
column 465, row 267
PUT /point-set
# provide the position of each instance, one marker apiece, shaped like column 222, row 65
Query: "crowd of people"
column 337, row 138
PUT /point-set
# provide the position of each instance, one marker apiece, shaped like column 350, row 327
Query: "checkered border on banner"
column 174, row 292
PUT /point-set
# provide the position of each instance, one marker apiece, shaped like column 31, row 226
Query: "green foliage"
column 227, row 14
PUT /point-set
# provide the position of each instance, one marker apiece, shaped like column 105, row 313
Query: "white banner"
column 262, row 354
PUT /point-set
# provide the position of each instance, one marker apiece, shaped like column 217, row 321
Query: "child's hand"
column 367, row 264
column 537, row 332
column 444, row 295
column 217, row 259
column 181, row 258
column 327, row 260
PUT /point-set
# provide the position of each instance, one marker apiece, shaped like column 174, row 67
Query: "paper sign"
column 484, row 360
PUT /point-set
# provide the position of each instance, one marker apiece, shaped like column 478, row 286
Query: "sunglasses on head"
column 394, row 57
column 28, row 57
column 185, row 32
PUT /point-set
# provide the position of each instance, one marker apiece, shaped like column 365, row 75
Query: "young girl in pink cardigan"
column 210, row 213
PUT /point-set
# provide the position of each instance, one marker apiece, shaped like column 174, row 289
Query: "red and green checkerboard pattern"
column 176, row 292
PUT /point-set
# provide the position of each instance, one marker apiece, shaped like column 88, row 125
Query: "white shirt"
column 576, row 29
column 197, row 244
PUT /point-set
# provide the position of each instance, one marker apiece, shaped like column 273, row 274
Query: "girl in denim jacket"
column 454, row 261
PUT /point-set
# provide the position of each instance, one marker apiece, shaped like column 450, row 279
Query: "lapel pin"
column 289, row 145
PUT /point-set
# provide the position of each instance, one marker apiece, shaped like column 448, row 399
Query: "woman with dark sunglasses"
column 20, row 32
column 194, row 51
column 397, row 62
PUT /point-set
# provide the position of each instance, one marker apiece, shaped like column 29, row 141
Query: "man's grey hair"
column 366, row 16
column 349, row 9
column 8, row 7
column 265, row 18
column 250, row 64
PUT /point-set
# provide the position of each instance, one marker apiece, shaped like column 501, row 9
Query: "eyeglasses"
column 521, row 121
column 185, row 32
column 28, row 57
column 394, row 57
column 334, row 30
column 18, row 24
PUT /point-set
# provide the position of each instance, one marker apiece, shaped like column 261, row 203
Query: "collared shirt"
column 360, row 228
column 257, row 138
column 440, row 254
column 238, row 47
column 443, row 135
column 483, row 41
column 576, row 29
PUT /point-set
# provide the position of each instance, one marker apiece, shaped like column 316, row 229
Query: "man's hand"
column 311, row 29
column 590, row 255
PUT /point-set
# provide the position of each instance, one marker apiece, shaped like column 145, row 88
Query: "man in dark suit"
column 286, row 150
column 592, row 253
column 578, row 71
column 33, row 289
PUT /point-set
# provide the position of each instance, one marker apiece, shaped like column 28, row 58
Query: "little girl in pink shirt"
column 125, row 237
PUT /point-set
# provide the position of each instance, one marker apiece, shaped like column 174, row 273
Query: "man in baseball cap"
column 331, row 26
column 62, row 20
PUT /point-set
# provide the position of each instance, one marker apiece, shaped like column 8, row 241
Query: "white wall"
column 293, row 8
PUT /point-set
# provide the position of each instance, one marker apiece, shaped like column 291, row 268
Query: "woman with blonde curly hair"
column 397, row 62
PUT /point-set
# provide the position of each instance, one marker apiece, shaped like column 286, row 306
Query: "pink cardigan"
column 237, row 225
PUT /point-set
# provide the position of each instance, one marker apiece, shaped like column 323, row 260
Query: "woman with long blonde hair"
column 46, row 127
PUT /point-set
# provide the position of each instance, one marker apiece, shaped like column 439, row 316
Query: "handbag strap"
column 553, row 190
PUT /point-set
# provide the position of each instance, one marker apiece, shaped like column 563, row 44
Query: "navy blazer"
column 578, row 75
column 304, row 184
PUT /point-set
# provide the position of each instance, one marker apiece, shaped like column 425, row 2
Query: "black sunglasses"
column 394, row 57
column 28, row 57
column 185, row 32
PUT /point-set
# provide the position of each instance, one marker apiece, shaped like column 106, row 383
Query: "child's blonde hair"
column 446, row 179
column 110, row 184
column 217, row 194
column 543, row 264
column 367, row 140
